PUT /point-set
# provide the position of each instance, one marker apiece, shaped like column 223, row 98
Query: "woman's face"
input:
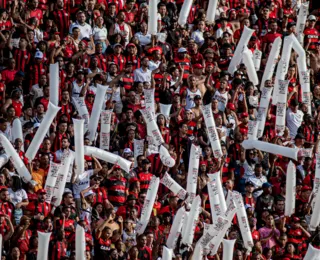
column 99, row 208
column 290, row 248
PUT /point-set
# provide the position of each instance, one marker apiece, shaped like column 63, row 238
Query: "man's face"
column 42, row 197
column 5, row 196
column 81, row 18
column 280, row 206
column 65, row 144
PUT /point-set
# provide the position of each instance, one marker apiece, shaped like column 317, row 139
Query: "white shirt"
column 100, row 34
column 82, row 183
column 258, row 184
column 294, row 121
column 198, row 37
column 141, row 75
column 85, row 29
column 220, row 32
column 154, row 65
column 17, row 196
column 36, row 91
column 143, row 39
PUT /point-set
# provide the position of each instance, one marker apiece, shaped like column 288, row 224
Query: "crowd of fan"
column 107, row 42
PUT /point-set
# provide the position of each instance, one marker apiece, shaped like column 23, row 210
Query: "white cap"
column 38, row 55
column 127, row 150
column 182, row 49
column 312, row 18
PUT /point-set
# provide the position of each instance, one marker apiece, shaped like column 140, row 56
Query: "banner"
column 42, row 131
column 290, row 202
column 54, row 79
column 148, row 205
column 96, row 110
column 193, row 169
column 271, row 62
column 105, row 129
column 16, row 160
column 271, row 148
column 212, row 131
column 237, row 56
column 281, row 107
column 138, row 146
column 82, row 109
column 172, row 185
column 52, row 176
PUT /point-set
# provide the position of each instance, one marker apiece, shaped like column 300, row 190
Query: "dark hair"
column 16, row 183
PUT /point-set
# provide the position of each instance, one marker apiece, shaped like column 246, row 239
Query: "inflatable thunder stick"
column 96, row 110
column 79, row 145
column 290, row 202
column 16, row 160
column 43, row 245
column 54, row 83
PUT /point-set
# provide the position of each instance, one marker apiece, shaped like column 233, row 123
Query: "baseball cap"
column 36, row 125
column 145, row 161
column 38, row 55
column 197, row 66
column 127, row 150
column 182, row 50
column 244, row 114
column 306, row 188
column 116, row 45
column 300, row 136
column 249, row 183
column 197, row 97
column 231, row 106
column 116, row 166
column 312, row 18
column 131, row 45
column 42, row 191
column 131, row 197
column 266, row 185
column 20, row 74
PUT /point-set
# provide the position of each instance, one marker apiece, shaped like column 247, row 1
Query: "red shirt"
column 8, row 75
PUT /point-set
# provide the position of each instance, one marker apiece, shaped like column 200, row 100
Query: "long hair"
column 16, row 183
